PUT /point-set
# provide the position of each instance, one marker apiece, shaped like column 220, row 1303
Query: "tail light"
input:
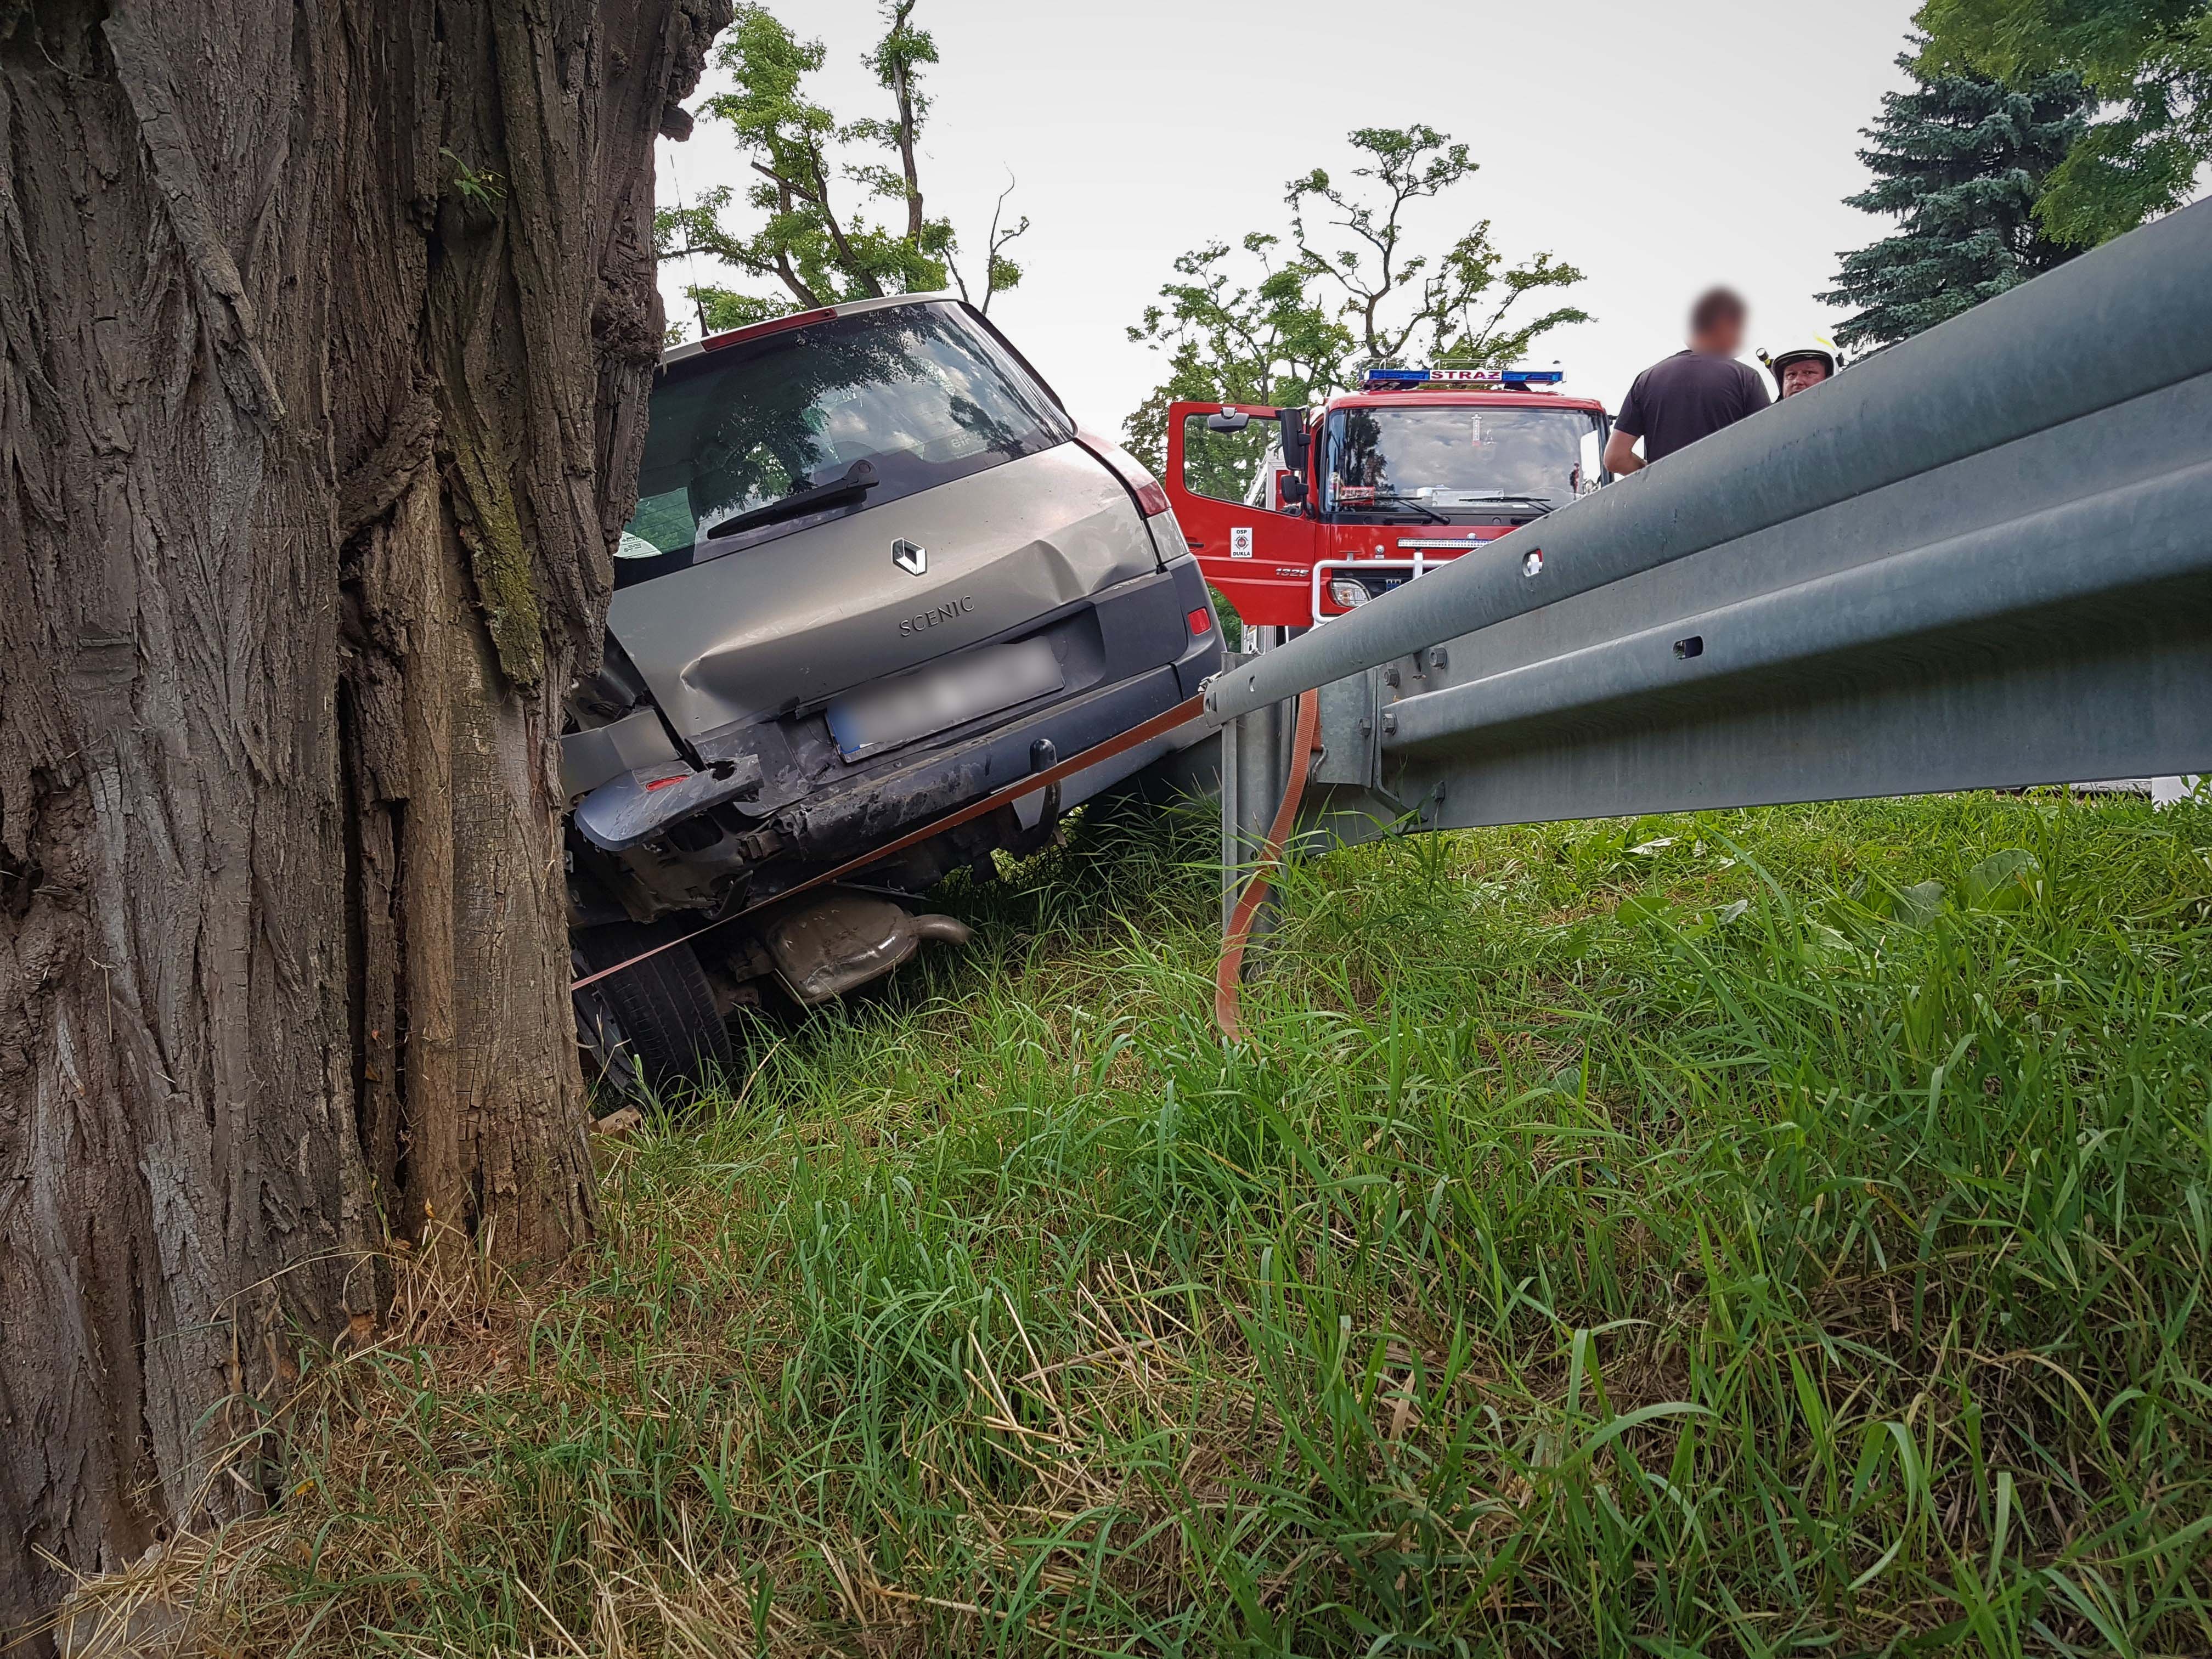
column 774, row 325
column 1152, row 500
column 1200, row 621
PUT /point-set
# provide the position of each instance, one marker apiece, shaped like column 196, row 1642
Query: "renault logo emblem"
column 910, row 558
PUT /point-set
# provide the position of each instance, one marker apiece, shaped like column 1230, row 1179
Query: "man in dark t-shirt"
column 1692, row 394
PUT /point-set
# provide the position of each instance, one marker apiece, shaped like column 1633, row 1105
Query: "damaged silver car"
column 875, row 574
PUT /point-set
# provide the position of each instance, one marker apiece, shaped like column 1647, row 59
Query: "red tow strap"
column 1231, row 969
column 1159, row 725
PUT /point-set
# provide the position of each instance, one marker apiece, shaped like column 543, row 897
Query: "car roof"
column 798, row 319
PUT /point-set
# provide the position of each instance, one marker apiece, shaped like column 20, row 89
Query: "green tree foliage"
column 819, row 179
column 1960, row 163
column 2150, row 61
column 1235, row 330
column 1281, row 318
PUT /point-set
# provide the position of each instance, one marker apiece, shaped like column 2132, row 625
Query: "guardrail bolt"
column 1437, row 657
column 1390, row 675
column 1390, row 724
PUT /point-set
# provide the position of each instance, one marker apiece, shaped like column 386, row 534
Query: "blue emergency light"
column 1397, row 379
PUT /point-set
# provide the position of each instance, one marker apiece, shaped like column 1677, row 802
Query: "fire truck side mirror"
column 1227, row 420
column 1292, row 489
column 1294, row 442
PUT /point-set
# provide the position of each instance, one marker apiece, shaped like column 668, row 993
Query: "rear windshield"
column 900, row 399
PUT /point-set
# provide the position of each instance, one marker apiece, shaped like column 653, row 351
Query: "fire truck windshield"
column 1443, row 460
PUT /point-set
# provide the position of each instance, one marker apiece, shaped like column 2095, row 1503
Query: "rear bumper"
column 780, row 804
column 835, row 824
column 844, row 824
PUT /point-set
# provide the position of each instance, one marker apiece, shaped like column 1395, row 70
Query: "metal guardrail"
column 1981, row 557
column 2116, row 325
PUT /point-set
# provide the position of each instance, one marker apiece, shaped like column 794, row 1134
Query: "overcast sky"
column 1661, row 147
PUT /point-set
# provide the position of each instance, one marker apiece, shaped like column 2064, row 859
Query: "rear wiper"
column 859, row 478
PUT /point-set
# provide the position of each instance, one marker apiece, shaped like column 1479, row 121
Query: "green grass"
column 1772, row 1232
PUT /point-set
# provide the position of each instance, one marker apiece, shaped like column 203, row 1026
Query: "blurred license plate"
column 893, row 712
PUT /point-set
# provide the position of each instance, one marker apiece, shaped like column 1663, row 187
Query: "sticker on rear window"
column 1240, row 541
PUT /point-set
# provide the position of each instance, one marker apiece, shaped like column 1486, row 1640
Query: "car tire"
column 655, row 1023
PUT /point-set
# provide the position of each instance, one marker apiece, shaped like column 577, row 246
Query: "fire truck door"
column 1241, row 507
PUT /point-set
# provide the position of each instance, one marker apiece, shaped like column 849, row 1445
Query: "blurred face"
column 1805, row 373
column 1723, row 339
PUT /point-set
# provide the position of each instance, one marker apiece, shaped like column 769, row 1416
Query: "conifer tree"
column 1959, row 162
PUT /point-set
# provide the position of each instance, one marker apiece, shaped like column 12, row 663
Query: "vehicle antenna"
column 690, row 251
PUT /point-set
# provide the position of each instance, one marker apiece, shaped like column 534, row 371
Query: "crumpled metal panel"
column 619, row 815
column 599, row 753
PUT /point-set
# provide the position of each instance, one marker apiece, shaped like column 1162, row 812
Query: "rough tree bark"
column 325, row 332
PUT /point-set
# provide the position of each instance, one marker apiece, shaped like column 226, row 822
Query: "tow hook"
column 1044, row 756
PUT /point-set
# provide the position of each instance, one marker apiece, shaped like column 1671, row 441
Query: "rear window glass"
column 906, row 399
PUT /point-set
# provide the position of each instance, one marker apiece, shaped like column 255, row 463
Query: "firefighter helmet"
column 1814, row 347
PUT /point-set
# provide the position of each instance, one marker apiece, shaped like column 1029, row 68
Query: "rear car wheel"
column 655, row 1023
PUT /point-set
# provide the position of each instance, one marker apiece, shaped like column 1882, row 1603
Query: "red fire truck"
column 1298, row 515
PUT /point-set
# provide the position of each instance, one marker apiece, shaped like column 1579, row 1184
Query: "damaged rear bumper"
column 759, row 807
column 836, row 825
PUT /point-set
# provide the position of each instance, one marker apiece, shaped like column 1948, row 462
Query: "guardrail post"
column 1255, row 769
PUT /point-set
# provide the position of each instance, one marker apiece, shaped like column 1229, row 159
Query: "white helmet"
column 1816, row 346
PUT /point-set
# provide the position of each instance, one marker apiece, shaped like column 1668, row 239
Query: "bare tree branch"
column 805, row 296
column 996, row 243
column 902, row 92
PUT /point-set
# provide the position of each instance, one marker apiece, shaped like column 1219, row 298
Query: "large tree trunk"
column 326, row 332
